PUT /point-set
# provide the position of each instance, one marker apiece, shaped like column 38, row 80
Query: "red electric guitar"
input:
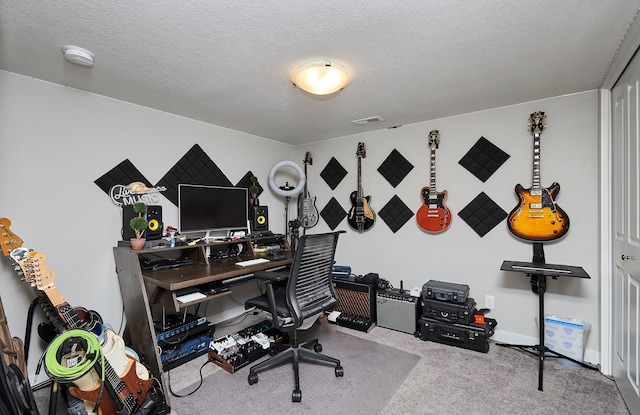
column 433, row 216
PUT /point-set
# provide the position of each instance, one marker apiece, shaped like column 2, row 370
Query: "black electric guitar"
column 537, row 216
column 361, row 216
column 307, row 211
column 433, row 216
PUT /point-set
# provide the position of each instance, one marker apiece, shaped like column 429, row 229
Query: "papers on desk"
column 190, row 297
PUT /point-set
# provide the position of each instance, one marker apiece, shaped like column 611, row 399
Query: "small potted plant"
column 253, row 191
column 139, row 225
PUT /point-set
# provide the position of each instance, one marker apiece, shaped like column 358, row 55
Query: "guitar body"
column 119, row 355
column 307, row 211
column 537, row 217
column 133, row 392
column 433, row 216
column 361, row 216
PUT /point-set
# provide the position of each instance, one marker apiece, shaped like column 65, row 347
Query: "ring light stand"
column 538, row 271
column 287, row 191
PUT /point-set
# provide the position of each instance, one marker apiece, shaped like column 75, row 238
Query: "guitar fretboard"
column 535, row 185
column 433, row 171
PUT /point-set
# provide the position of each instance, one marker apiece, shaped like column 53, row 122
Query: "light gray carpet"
column 372, row 374
column 446, row 380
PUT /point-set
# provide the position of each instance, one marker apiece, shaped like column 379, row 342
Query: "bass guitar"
column 361, row 217
column 537, row 216
column 307, row 211
column 433, row 216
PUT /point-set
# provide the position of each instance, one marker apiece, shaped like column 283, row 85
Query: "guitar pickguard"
column 433, row 216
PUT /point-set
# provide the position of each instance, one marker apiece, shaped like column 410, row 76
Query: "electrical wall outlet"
column 489, row 302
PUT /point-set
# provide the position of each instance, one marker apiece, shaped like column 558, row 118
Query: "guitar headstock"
column 8, row 239
column 33, row 267
column 361, row 151
column 308, row 159
column 537, row 122
column 434, row 139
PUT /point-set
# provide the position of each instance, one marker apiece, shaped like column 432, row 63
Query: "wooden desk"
column 142, row 288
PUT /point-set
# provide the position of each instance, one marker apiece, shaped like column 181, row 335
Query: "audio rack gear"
column 184, row 352
column 236, row 351
column 190, row 323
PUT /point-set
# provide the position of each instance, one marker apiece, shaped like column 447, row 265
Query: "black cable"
column 193, row 391
column 27, row 331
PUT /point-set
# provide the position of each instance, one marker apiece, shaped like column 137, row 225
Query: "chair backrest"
column 309, row 288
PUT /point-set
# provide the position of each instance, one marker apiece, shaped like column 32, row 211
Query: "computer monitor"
column 212, row 209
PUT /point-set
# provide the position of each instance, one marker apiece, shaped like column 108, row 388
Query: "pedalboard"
column 238, row 350
column 351, row 321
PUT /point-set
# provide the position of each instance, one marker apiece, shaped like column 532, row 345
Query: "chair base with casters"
column 296, row 298
column 308, row 351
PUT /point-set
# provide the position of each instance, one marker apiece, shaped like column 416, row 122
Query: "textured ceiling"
column 228, row 62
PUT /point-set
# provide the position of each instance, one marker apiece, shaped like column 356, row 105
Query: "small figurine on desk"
column 171, row 231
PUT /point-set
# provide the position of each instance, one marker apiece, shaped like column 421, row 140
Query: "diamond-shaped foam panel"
column 333, row 213
column 395, row 168
column 483, row 159
column 124, row 173
column 395, row 213
column 333, row 173
column 195, row 167
column 482, row 214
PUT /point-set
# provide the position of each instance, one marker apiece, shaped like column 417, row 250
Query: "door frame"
column 628, row 48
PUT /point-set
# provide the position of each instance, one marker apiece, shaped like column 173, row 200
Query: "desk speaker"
column 259, row 218
column 154, row 217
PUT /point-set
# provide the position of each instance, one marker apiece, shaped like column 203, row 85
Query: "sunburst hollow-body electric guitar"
column 361, row 216
column 538, row 217
column 433, row 216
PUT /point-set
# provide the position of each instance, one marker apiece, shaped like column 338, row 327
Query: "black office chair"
column 303, row 293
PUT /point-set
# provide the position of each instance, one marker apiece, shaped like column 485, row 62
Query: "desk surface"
column 196, row 274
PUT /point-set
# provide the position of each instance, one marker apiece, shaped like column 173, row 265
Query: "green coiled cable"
column 63, row 374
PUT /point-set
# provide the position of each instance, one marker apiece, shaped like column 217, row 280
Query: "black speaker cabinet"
column 356, row 299
column 259, row 218
column 397, row 311
column 154, row 217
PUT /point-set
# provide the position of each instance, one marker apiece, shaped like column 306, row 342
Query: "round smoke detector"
column 77, row 55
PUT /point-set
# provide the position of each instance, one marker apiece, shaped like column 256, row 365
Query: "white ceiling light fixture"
column 321, row 78
column 77, row 55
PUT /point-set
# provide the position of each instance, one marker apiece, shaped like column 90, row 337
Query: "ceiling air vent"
column 368, row 120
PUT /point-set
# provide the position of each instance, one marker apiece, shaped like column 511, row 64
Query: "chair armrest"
column 271, row 276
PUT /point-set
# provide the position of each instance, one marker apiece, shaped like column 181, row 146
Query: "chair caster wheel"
column 339, row 371
column 296, row 396
column 272, row 351
column 253, row 378
column 317, row 348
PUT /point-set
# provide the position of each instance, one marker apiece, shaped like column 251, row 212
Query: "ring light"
column 302, row 178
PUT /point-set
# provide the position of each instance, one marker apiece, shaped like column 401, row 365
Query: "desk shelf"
column 142, row 288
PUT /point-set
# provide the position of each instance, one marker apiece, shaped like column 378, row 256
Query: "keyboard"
column 251, row 262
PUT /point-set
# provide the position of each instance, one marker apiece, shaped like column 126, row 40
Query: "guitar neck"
column 64, row 310
column 360, row 191
column 117, row 390
column 306, row 191
column 535, row 185
column 433, row 171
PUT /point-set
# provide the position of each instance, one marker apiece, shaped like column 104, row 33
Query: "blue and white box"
column 566, row 336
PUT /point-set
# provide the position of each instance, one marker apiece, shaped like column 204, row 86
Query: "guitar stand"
column 538, row 271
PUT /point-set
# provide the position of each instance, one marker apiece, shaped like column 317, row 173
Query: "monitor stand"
column 538, row 271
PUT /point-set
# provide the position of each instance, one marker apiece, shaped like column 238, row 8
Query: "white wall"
column 569, row 149
column 56, row 141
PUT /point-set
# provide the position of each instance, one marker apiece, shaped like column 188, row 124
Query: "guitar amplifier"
column 397, row 310
column 356, row 300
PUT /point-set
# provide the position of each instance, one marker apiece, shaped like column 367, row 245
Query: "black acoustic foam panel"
column 483, row 159
column 482, row 214
column 395, row 213
column 333, row 173
column 333, row 213
column 195, row 167
column 395, row 168
column 124, row 173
